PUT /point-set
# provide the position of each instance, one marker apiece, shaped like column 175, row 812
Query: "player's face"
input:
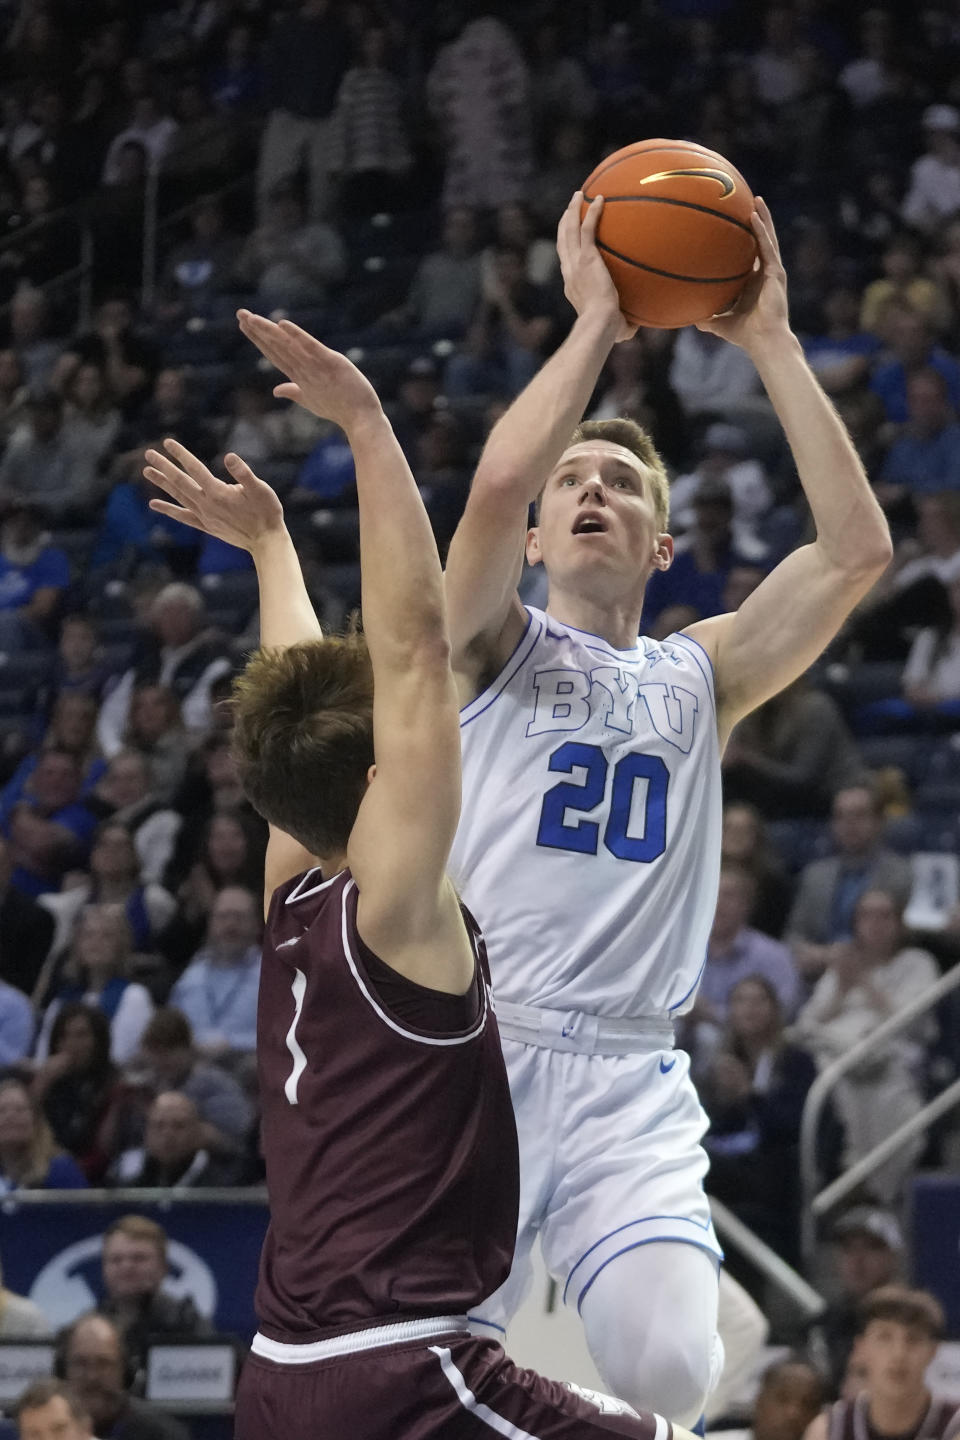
column 895, row 1357
column 131, row 1266
column 787, row 1403
column 598, row 518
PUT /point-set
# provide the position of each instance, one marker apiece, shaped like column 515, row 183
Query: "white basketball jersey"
column 589, row 843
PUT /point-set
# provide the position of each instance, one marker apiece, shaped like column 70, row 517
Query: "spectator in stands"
column 902, row 284
column 868, row 978
column 131, row 535
column 127, row 360
column 478, row 91
column 78, row 666
column 201, row 269
column 792, row 754
column 931, row 676
column 13, row 393
column 49, row 466
column 114, row 879
column 912, row 348
column 735, row 951
column 33, row 577
column 72, row 728
column 829, row 889
column 868, row 77
column 95, row 1363
column 49, row 827
column 289, row 260
column 838, row 350
column 900, row 1331
column 445, row 292
column 913, row 592
column 754, row 1089
column 725, row 458
column 16, row 1025
column 29, row 1157
column 745, row 843
column 173, row 1152
column 776, row 64
column 707, row 379
column 51, row 1410
column 789, row 1396
column 150, row 126
column 515, row 230
column 218, row 990
column 134, row 1262
column 35, row 349
column 90, row 415
column 562, row 170
column 945, row 265
column 413, row 409
column 925, row 456
column 868, row 1253
column 369, row 151
column 126, row 796
column 180, row 654
column 172, row 1063
column 20, row 1318
column 77, row 1086
column 305, row 61
column 934, row 193
column 98, row 974
column 230, row 852
column 156, row 731
column 236, row 83
column 703, row 558
column 26, row 930
column 204, row 148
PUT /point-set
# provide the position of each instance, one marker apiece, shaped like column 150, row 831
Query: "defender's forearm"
column 402, row 582
column 851, row 527
column 529, row 439
column 287, row 616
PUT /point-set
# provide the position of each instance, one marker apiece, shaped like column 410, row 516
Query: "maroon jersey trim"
column 298, row 892
column 388, row 1020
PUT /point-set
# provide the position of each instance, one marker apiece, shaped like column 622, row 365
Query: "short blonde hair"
column 634, row 438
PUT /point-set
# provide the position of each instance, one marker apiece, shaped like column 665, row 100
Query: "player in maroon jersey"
column 899, row 1334
column 388, row 1132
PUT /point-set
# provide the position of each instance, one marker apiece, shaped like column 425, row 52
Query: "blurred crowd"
column 391, row 177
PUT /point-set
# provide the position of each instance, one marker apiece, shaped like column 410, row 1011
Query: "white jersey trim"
column 521, row 653
column 387, row 1019
column 299, row 988
column 499, row 1423
column 399, row 1332
column 298, row 892
column 682, row 641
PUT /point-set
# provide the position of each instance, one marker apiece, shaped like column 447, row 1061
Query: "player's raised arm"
column 789, row 620
column 486, row 552
column 249, row 515
column 398, row 850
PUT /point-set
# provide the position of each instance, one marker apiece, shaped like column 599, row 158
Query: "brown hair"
column 167, row 1029
column 916, row 1308
column 139, row 1227
column 634, row 438
column 303, row 737
column 41, row 1392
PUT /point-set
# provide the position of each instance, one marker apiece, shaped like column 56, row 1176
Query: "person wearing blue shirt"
column 911, row 343
column 218, row 990
column 16, row 1025
column 926, row 457
column 33, row 576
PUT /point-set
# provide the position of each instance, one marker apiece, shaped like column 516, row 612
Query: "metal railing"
column 816, row 1203
column 771, row 1266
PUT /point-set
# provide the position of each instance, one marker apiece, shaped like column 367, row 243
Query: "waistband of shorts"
column 584, row 1034
column 396, row 1333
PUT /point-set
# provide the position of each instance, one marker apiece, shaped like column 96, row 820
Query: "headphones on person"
column 62, row 1342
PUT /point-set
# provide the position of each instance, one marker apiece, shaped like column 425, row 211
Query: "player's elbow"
column 866, row 555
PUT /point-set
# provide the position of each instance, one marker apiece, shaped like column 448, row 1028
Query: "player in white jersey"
column 590, row 832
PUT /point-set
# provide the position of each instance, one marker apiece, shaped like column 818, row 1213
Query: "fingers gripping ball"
column 675, row 232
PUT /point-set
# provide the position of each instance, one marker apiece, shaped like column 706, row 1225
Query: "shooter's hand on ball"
column 321, row 380
column 586, row 279
column 761, row 314
column 243, row 514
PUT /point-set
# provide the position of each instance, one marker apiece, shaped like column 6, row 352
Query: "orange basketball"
column 675, row 230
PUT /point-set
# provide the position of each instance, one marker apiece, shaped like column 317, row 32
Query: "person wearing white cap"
column 934, row 191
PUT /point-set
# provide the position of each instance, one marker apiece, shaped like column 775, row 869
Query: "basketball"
column 675, row 231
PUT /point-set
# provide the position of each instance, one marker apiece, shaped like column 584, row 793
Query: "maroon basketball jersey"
column 391, row 1151
column 850, row 1420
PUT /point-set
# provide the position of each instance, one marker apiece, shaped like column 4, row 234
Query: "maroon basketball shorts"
column 418, row 1381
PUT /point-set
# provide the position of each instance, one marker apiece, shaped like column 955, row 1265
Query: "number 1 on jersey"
column 583, row 837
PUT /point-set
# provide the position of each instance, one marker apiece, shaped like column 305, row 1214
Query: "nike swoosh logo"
column 725, row 181
column 665, row 1069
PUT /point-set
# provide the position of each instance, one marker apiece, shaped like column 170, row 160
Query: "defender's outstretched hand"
column 320, row 379
column 586, row 279
column 761, row 313
column 243, row 514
